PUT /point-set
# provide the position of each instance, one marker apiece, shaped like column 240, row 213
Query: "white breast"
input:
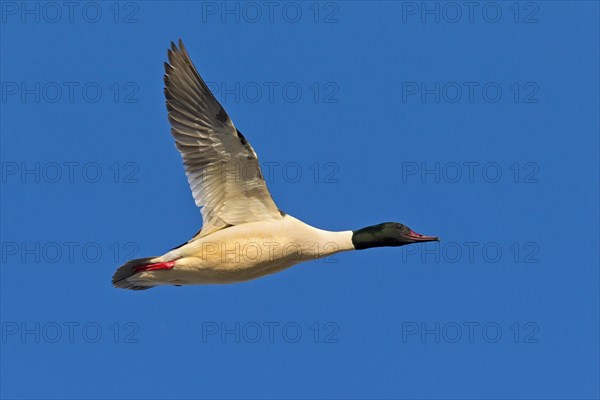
column 249, row 251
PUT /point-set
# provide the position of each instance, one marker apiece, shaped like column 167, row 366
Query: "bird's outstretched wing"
column 221, row 166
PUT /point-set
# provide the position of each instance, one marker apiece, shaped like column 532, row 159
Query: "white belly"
column 246, row 252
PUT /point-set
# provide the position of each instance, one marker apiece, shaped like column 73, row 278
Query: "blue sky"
column 479, row 125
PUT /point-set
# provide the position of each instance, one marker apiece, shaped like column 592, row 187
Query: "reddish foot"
column 154, row 267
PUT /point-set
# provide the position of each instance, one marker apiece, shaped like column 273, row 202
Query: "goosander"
column 244, row 234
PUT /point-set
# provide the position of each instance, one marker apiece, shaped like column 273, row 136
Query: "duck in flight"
column 244, row 235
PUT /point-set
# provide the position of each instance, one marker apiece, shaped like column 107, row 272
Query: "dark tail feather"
column 127, row 270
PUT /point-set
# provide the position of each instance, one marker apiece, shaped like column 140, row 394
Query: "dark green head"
column 387, row 234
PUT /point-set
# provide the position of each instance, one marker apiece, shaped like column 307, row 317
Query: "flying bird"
column 244, row 234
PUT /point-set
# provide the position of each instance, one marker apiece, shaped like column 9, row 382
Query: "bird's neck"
column 334, row 242
column 367, row 238
column 328, row 242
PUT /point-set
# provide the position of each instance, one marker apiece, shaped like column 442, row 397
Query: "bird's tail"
column 127, row 270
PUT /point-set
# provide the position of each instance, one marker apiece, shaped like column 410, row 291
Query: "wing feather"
column 221, row 166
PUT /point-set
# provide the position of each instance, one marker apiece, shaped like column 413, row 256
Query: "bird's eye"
column 400, row 226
